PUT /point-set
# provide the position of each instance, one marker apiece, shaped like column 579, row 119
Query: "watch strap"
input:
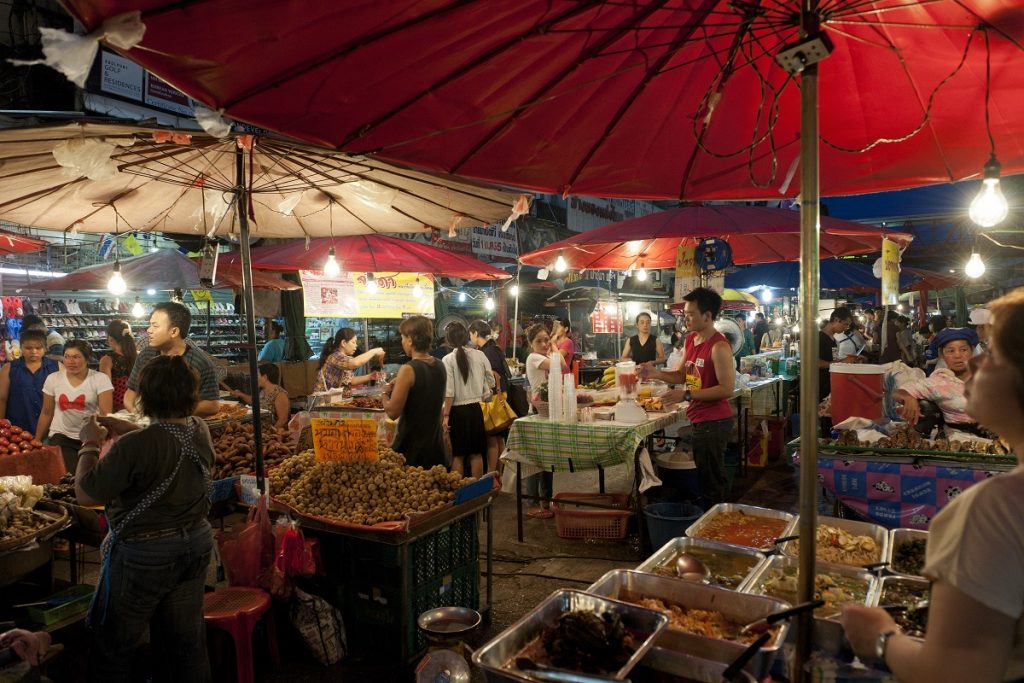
column 883, row 643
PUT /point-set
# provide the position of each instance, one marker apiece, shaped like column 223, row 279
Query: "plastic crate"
column 573, row 521
column 442, row 551
column 66, row 604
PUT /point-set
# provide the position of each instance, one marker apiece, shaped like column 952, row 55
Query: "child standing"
column 21, row 382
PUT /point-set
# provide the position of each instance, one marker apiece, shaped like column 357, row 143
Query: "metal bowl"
column 448, row 621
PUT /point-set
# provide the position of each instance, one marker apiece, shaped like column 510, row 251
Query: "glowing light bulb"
column 151, row 291
column 489, row 304
column 989, row 208
column 610, row 308
column 137, row 310
column 514, row 290
column 417, row 291
column 796, row 329
column 900, row 308
column 560, row 264
column 462, row 297
column 778, row 321
column 371, row 284
column 975, row 267
column 641, row 274
column 766, row 295
column 116, row 284
column 331, row 267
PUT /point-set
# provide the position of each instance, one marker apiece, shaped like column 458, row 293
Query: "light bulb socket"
column 992, row 168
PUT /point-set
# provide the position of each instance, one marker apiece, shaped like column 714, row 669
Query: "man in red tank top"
column 709, row 375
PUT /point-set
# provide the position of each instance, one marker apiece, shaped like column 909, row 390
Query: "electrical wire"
column 539, row 576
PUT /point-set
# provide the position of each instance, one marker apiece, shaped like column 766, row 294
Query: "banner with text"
column 347, row 295
column 890, row 273
column 587, row 213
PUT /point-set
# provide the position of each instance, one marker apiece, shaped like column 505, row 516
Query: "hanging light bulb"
column 975, row 267
column 417, row 291
column 116, row 284
column 560, row 264
column 641, row 274
column 371, row 284
column 989, row 208
column 766, row 295
column 489, row 303
column 514, row 290
column 151, row 291
column 778, row 321
column 462, row 297
column 137, row 310
column 331, row 267
column 796, row 329
column 611, row 308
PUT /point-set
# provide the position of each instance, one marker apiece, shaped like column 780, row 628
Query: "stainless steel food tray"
column 625, row 584
column 898, row 536
column 684, row 543
column 689, row 667
column 899, row 578
column 496, row 656
column 754, row 584
column 694, row 530
column 879, row 533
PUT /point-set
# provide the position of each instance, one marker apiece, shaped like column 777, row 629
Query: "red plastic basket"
column 573, row 521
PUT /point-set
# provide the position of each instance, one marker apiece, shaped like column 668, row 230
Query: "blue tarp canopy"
column 835, row 274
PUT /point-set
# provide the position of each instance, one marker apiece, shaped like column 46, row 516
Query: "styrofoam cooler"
column 856, row 391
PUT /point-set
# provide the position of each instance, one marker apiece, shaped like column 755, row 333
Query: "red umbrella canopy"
column 609, row 98
column 370, row 253
column 756, row 234
column 163, row 270
column 13, row 243
column 929, row 280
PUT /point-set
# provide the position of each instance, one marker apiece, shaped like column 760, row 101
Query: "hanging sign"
column 605, row 319
column 890, row 273
column 687, row 273
column 201, row 295
column 344, row 440
column 208, row 266
column 349, row 295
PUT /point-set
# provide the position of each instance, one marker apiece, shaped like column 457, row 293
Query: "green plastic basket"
column 66, row 604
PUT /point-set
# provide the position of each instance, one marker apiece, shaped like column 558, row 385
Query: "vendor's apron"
column 185, row 435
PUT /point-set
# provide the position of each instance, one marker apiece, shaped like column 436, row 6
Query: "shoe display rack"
column 81, row 319
column 220, row 331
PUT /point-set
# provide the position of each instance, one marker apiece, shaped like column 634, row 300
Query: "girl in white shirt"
column 70, row 397
column 539, row 486
column 470, row 381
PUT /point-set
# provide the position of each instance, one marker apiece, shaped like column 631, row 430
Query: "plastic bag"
column 248, row 552
column 321, row 626
column 295, row 555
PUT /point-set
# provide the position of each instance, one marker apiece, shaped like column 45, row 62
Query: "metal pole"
column 515, row 316
column 809, row 283
column 241, row 205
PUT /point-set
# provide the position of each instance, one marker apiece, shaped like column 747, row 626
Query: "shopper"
column 837, row 322
column 469, row 381
column 273, row 350
column 417, row 396
column 273, row 397
column 905, row 340
column 70, row 396
column 847, row 345
column 643, row 347
column 169, row 326
column 945, row 386
column 975, row 553
column 54, row 341
column 709, row 375
column 443, row 348
column 117, row 364
column 888, row 346
column 747, row 347
column 979, row 320
column 481, row 336
column 155, row 484
column 538, row 366
column 561, row 339
column 337, row 364
column 759, row 331
column 21, row 382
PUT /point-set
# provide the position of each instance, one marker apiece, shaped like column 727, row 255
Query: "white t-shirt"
column 73, row 405
column 976, row 544
column 477, row 387
column 534, row 375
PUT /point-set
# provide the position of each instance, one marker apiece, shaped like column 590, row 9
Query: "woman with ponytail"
column 470, row 381
column 118, row 363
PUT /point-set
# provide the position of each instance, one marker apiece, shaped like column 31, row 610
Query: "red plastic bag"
column 247, row 552
column 295, row 555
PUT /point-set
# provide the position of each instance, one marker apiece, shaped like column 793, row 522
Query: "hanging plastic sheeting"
column 288, row 204
column 73, row 55
column 89, row 158
column 212, row 122
column 374, row 195
column 520, row 208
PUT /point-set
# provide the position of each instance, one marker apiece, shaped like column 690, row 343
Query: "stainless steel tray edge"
column 787, row 561
column 897, row 536
column 720, row 508
column 879, row 533
column 681, row 543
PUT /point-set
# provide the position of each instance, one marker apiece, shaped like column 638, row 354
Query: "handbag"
column 498, row 415
column 518, row 400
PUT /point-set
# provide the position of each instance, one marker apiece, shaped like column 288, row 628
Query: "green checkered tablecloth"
column 569, row 447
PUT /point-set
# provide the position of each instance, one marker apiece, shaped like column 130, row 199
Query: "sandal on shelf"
column 540, row 513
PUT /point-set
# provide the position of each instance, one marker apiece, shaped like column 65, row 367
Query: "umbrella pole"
column 514, row 327
column 250, row 319
column 809, row 281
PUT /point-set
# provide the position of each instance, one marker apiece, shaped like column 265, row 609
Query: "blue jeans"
column 543, row 485
column 156, row 583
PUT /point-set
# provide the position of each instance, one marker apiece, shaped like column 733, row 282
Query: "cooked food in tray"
column 701, row 622
column 739, row 528
column 369, row 402
column 841, row 547
column 834, row 588
column 910, row 594
column 908, row 556
column 228, row 410
column 728, row 569
column 582, row 641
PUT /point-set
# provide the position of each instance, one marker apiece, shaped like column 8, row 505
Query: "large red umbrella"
column 370, row 253
column 930, row 280
column 13, row 243
column 638, row 99
column 756, row 234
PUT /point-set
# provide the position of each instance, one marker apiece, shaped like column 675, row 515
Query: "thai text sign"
column 349, row 295
column 344, row 440
column 890, row 273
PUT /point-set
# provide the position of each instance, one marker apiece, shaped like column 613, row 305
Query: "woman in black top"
column 643, row 347
column 417, row 397
column 480, row 335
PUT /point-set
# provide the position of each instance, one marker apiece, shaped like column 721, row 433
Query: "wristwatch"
column 881, row 643
column 687, row 396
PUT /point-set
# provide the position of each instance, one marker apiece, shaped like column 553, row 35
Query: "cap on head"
column 979, row 316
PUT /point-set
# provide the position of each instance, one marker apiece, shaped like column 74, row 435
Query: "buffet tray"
column 898, row 536
column 879, row 533
column 496, row 655
column 686, row 667
column 694, row 529
column 625, row 584
column 753, row 586
column 684, row 543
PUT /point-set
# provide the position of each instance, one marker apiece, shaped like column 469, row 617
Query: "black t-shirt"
column 137, row 464
column 825, row 345
column 760, row 329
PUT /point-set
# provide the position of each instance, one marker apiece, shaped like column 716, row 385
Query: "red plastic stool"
column 236, row 611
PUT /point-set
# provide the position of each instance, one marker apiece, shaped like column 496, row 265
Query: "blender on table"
column 627, row 380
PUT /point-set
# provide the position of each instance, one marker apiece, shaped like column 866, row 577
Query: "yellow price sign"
column 201, row 295
column 344, row 440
